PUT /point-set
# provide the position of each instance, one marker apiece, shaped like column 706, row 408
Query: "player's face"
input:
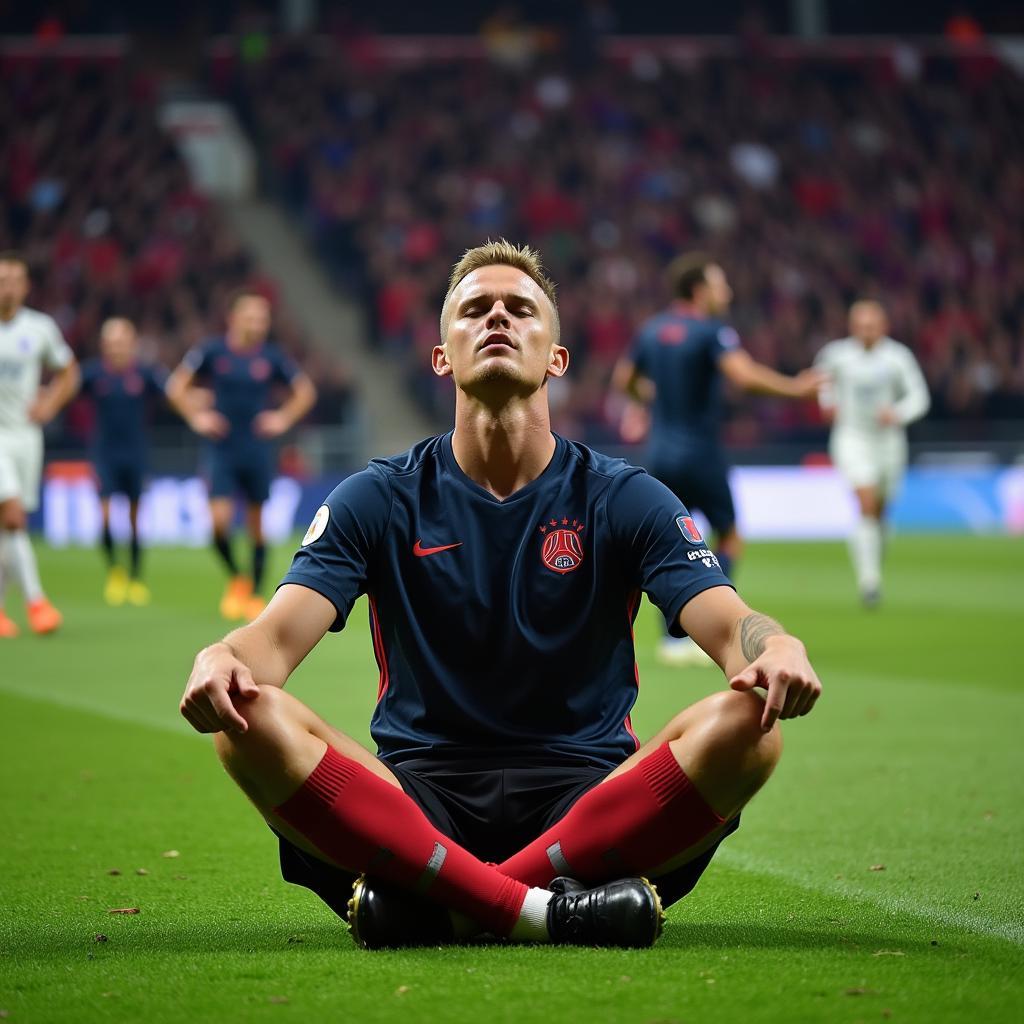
column 719, row 294
column 249, row 322
column 117, row 342
column 13, row 286
column 500, row 335
column 868, row 322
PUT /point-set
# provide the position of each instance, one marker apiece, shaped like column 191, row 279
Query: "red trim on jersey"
column 378, row 649
column 631, row 605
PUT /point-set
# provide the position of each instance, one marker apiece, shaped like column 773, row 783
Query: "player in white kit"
column 29, row 340
column 875, row 389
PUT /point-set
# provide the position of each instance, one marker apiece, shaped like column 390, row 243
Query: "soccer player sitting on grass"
column 503, row 567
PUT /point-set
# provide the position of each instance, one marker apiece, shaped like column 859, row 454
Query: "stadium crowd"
column 812, row 181
column 97, row 198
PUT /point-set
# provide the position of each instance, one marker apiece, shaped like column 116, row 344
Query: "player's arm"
column 914, row 401
column 179, row 391
column 753, row 650
column 301, row 398
column 827, row 394
column 748, row 374
column 263, row 653
column 628, row 379
column 62, row 387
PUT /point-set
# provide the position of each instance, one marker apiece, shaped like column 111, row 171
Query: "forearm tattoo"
column 754, row 631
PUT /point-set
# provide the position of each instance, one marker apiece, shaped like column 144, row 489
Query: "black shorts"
column 491, row 812
column 120, row 476
column 246, row 471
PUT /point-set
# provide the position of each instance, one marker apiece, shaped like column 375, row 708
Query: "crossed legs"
column 662, row 807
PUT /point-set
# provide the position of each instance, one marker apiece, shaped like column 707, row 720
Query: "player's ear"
column 558, row 363
column 439, row 361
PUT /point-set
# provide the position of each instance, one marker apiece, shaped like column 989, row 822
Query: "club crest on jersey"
column 688, row 528
column 259, row 369
column 562, row 550
column 317, row 527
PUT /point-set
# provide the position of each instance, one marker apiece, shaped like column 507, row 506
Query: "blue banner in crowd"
column 773, row 502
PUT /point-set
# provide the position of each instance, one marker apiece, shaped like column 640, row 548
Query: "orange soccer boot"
column 236, row 598
column 8, row 629
column 43, row 617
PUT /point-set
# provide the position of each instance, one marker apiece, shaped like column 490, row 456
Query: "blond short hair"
column 507, row 254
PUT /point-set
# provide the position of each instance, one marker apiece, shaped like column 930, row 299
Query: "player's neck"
column 8, row 314
column 502, row 451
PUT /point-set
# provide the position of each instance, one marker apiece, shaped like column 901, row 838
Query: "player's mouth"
column 496, row 341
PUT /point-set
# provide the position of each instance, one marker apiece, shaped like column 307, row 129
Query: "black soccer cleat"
column 381, row 916
column 624, row 913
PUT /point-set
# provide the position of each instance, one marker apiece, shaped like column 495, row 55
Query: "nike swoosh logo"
column 422, row 552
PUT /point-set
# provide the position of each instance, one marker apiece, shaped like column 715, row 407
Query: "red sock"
column 630, row 825
column 363, row 823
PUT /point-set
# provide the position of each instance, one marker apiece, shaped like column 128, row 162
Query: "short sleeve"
column 724, row 339
column 156, row 380
column 668, row 558
column 338, row 548
column 89, row 373
column 640, row 353
column 56, row 351
column 197, row 359
column 285, row 368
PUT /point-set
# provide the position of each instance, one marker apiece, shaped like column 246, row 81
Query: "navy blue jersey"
column 504, row 629
column 679, row 350
column 242, row 382
column 120, row 398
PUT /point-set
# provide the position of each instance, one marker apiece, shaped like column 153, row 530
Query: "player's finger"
column 193, row 720
column 246, row 684
column 230, row 720
column 745, row 680
column 773, row 703
column 794, row 695
column 810, row 699
column 203, row 720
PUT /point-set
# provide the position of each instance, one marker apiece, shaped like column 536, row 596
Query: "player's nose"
column 498, row 316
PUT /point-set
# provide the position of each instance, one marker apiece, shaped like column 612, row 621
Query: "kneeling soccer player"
column 503, row 566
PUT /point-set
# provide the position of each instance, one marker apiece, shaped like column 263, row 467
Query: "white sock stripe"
column 433, row 868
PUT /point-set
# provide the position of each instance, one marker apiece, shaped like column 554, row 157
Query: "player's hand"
column 807, row 383
column 210, row 423
column 271, row 423
column 41, row 411
column 888, row 417
column 217, row 675
column 785, row 672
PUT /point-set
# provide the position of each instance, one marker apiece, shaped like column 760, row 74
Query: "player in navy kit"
column 120, row 387
column 242, row 369
column 503, row 567
column 677, row 366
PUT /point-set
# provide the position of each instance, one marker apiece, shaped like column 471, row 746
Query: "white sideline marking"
column 103, row 711
column 1008, row 932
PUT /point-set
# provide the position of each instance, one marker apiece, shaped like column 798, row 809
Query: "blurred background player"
column 242, row 368
column 29, row 341
column 875, row 388
column 676, row 366
column 119, row 386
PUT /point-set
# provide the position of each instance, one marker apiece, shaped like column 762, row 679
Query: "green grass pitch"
column 877, row 877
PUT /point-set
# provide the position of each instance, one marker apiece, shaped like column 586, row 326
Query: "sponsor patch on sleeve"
column 317, row 526
column 688, row 528
column 728, row 338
